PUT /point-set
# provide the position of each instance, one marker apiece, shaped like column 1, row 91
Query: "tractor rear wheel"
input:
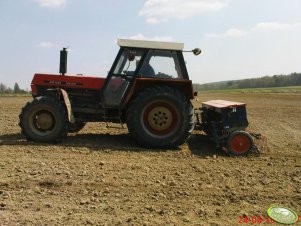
column 240, row 143
column 160, row 117
column 44, row 119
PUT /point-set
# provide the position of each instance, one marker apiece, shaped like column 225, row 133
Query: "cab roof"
column 150, row 44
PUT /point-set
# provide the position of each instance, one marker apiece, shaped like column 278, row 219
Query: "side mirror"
column 196, row 51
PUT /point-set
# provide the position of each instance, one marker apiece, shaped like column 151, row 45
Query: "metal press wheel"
column 240, row 143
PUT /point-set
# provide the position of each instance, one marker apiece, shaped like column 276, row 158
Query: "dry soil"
column 100, row 177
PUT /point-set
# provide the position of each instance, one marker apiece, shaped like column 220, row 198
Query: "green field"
column 287, row 89
column 15, row 94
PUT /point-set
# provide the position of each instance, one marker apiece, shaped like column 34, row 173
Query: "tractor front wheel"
column 240, row 143
column 44, row 119
column 160, row 117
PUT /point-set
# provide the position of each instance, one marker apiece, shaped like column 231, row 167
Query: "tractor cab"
column 143, row 61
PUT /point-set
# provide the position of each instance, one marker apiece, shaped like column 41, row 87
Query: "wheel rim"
column 240, row 144
column 160, row 118
column 42, row 122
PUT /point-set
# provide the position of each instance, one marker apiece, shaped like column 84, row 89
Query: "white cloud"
column 157, row 11
column 46, row 45
column 51, row 3
column 260, row 27
column 233, row 32
column 275, row 26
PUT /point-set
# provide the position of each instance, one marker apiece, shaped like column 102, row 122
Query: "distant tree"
column 17, row 88
column 293, row 79
column 8, row 91
column 2, row 88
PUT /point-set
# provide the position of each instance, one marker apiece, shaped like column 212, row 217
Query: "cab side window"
column 161, row 64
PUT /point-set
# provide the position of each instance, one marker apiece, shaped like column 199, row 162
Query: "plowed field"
column 100, row 177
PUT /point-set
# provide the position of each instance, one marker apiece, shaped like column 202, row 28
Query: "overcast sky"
column 239, row 38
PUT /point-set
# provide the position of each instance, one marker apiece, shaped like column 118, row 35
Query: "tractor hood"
column 66, row 81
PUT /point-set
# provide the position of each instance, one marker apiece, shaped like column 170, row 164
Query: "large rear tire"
column 43, row 119
column 160, row 117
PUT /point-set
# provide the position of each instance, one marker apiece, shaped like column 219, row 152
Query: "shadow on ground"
column 202, row 146
column 198, row 144
column 94, row 142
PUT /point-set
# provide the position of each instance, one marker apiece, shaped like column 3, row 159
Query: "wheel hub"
column 160, row 118
column 44, row 121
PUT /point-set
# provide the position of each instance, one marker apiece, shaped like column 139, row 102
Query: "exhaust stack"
column 63, row 61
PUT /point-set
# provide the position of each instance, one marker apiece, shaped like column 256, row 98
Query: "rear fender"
column 140, row 84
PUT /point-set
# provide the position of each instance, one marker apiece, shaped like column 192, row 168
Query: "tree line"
column 7, row 90
column 293, row 79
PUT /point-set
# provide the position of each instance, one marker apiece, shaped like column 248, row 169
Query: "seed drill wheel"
column 160, row 117
column 44, row 119
column 240, row 143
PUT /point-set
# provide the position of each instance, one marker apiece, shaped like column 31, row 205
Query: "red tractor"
column 147, row 87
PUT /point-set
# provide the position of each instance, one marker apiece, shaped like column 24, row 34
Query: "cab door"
column 121, row 76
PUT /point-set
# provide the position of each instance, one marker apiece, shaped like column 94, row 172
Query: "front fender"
column 68, row 105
